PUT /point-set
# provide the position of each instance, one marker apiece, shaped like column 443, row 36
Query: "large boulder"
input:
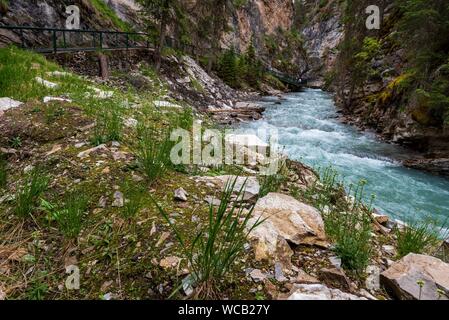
column 417, row 276
column 285, row 220
column 318, row 292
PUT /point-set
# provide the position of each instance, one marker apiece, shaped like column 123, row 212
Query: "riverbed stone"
column 403, row 277
column 250, row 191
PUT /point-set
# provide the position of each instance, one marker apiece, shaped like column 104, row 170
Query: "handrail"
column 102, row 45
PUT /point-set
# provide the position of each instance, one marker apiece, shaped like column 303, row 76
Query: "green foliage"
column 26, row 197
column 370, row 49
column 228, row 67
column 420, row 236
column 215, row 248
column 110, row 14
column 18, row 68
column 153, row 151
column 273, row 182
column 238, row 71
column 108, row 121
column 69, row 214
column 133, row 200
column 347, row 219
column 4, row 6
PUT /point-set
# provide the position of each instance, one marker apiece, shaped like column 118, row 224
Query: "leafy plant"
column 68, row 215
column 215, row 248
column 26, row 197
column 420, row 236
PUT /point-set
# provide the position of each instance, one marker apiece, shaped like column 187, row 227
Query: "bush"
column 215, row 248
column 26, row 197
column 420, row 236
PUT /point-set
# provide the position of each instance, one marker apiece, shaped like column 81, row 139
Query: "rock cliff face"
column 52, row 14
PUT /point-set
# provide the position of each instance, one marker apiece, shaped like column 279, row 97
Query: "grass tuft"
column 420, row 236
column 215, row 248
column 27, row 196
column 3, row 172
column 69, row 215
column 153, row 151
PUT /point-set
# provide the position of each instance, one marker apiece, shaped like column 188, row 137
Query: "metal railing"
column 61, row 40
column 68, row 40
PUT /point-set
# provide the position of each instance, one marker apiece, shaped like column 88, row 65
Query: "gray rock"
column 8, row 103
column 318, row 292
column 181, row 194
column 419, row 277
column 372, row 281
column 118, row 199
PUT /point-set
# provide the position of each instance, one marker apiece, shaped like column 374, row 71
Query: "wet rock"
column 181, row 194
column 402, row 279
column 317, row 292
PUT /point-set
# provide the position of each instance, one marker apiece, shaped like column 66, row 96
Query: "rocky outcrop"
column 286, row 220
column 418, row 277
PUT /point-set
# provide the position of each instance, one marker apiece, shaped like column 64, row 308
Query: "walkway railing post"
column 101, row 40
column 127, row 41
column 55, row 45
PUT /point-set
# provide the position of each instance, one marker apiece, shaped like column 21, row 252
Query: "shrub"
column 215, row 248
column 420, row 236
column 26, row 197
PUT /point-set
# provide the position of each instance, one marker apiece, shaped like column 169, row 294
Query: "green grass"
column 273, row 182
column 108, row 121
column 347, row 219
column 153, row 151
column 107, row 12
column 214, row 249
column 4, row 6
column 134, row 196
column 3, row 172
column 420, row 236
column 35, row 184
column 69, row 215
